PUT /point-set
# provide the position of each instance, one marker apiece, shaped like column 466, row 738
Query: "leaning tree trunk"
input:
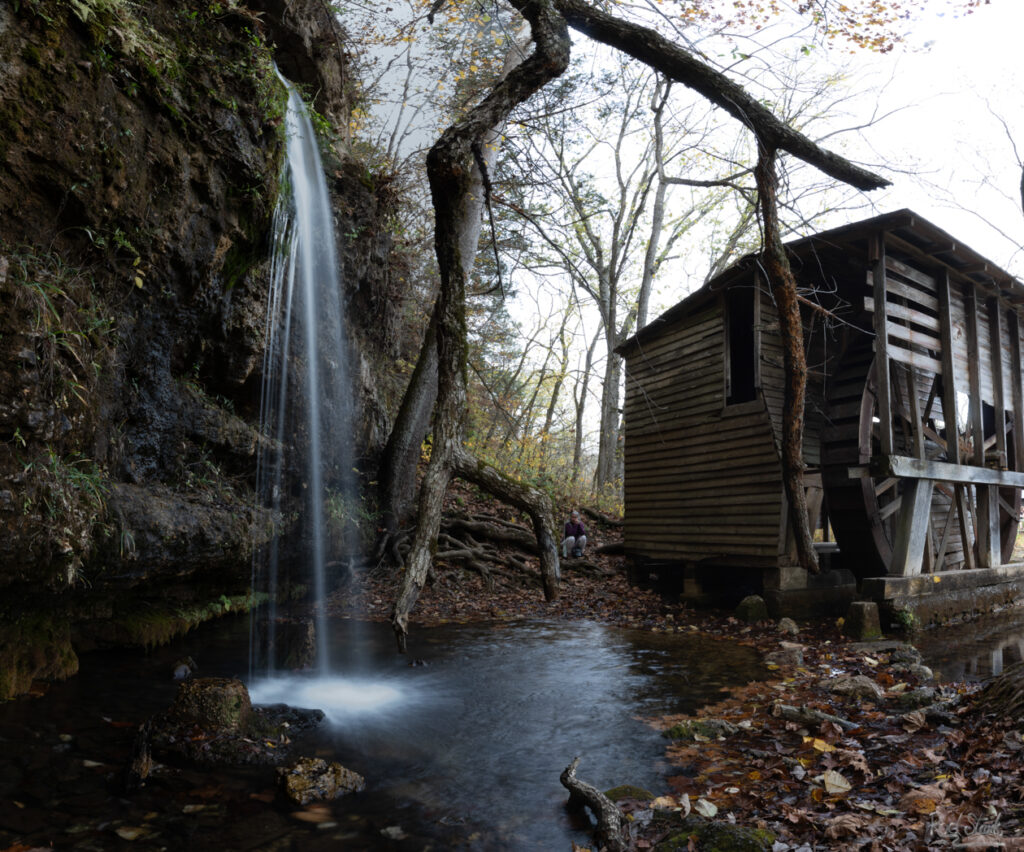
column 780, row 278
column 450, row 166
column 401, row 456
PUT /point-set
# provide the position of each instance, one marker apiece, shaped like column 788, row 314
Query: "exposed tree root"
column 610, row 833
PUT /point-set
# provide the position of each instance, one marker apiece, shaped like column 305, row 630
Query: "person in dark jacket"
column 574, row 539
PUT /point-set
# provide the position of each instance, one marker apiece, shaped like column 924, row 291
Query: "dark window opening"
column 739, row 314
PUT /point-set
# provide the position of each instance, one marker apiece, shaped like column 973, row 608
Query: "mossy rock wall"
column 141, row 148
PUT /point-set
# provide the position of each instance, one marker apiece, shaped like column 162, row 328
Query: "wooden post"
column 912, row 532
column 881, row 318
column 950, row 387
column 989, row 546
column 1016, row 392
column 995, row 334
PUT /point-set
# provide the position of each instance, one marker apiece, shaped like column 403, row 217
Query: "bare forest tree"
column 450, row 169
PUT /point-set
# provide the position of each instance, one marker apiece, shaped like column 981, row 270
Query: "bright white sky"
column 950, row 74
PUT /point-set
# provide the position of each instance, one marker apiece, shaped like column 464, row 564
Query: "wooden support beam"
column 882, row 391
column 1016, row 391
column 975, row 421
column 949, row 375
column 986, row 495
column 990, row 545
column 911, row 468
column 964, row 514
column 995, row 333
column 912, row 530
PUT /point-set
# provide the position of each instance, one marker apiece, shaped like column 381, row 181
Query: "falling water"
column 305, row 399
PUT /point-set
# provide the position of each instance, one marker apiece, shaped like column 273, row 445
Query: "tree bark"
column 450, row 165
column 787, row 303
column 401, row 456
column 610, row 833
column 533, row 501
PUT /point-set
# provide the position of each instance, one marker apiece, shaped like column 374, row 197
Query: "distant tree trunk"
column 581, row 405
column 450, row 167
column 783, row 285
column 608, row 439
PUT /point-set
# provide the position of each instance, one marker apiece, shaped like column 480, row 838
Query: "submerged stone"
column 312, row 779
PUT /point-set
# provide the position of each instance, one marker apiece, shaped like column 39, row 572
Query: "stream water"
column 461, row 752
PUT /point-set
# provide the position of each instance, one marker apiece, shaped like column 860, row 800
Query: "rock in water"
column 311, row 779
column 212, row 703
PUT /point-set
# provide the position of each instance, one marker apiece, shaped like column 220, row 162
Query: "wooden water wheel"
column 864, row 509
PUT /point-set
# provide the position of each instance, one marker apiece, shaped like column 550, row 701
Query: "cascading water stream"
column 304, row 408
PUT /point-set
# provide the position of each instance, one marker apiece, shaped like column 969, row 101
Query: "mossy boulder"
column 628, row 791
column 752, row 609
column 213, row 703
column 212, row 722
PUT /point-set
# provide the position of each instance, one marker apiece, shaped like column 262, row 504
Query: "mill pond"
column 463, row 751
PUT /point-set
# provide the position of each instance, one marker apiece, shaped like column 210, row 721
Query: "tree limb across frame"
column 653, row 49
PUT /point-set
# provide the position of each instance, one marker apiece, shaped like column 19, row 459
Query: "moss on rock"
column 716, row 836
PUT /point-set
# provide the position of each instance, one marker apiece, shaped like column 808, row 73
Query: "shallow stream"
column 462, row 751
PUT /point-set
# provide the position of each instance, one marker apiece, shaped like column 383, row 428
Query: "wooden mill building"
column 913, row 443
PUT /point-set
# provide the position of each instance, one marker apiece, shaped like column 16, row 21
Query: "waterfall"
column 305, row 401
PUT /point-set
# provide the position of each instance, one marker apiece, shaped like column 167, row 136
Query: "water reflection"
column 462, row 751
column 974, row 650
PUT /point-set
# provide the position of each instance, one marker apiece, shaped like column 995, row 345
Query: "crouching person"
column 574, row 539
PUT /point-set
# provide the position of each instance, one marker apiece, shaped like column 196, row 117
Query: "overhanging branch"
column 658, row 52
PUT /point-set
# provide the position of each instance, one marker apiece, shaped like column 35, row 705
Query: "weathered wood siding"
column 773, row 379
column 702, row 480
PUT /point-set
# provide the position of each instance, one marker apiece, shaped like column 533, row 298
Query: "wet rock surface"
column 213, row 722
column 312, row 779
column 140, row 150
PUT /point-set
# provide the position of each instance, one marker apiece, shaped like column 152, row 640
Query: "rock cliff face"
column 140, row 153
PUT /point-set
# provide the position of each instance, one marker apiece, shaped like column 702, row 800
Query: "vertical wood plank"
column 880, row 317
column 975, row 422
column 912, row 531
column 995, row 331
column 949, row 375
column 950, row 386
column 1016, row 392
column 986, row 496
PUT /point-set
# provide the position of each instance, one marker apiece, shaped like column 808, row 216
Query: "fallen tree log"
column 610, row 833
column 809, row 716
column 614, row 548
column 601, row 517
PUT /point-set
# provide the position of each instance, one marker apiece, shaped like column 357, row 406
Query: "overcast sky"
column 955, row 76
